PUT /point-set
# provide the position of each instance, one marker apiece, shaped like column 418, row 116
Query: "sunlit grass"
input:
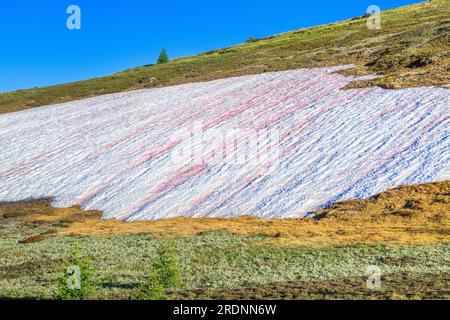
column 406, row 32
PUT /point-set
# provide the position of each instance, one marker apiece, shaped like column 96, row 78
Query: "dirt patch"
column 14, row 214
column 32, row 239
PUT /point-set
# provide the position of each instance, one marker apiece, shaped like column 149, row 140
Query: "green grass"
column 394, row 286
column 411, row 49
column 214, row 262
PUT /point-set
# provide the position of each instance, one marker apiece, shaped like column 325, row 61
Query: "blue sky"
column 37, row 49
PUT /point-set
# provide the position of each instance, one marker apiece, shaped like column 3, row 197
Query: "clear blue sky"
column 37, row 49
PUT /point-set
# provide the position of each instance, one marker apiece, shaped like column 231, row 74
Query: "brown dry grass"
column 407, row 215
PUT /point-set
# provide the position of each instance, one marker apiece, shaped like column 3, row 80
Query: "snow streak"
column 115, row 153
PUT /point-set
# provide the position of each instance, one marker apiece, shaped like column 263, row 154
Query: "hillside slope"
column 411, row 49
column 278, row 144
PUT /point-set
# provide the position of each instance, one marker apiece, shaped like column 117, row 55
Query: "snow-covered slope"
column 299, row 143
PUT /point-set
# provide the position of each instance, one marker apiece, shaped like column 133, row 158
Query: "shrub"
column 251, row 39
column 421, row 60
column 79, row 281
column 164, row 275
column 15, row 214
column 163, row 56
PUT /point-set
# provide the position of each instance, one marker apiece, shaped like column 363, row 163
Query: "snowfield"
column 273, row 145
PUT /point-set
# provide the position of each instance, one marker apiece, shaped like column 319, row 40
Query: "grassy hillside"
column 411, row 49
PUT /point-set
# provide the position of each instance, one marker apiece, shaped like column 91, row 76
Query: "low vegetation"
column 246, row 258
column 417, row 214
column 164, row 275
column 395, row 287
column 14, row 214
column 410, row 49
column 220, row 261
column 78, row 280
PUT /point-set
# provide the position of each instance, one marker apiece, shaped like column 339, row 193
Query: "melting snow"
column 127, row 153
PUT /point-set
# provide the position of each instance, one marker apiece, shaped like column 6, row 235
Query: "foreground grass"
column 396, row 286
column 411, row 49
column 405, row 231
column 225, row 262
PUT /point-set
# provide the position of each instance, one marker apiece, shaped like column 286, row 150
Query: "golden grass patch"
column 407, row 215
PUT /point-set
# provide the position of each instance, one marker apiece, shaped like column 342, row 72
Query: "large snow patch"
column 123, row 153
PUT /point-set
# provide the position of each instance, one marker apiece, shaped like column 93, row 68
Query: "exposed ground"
column 412, row 48
column 404, row 231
